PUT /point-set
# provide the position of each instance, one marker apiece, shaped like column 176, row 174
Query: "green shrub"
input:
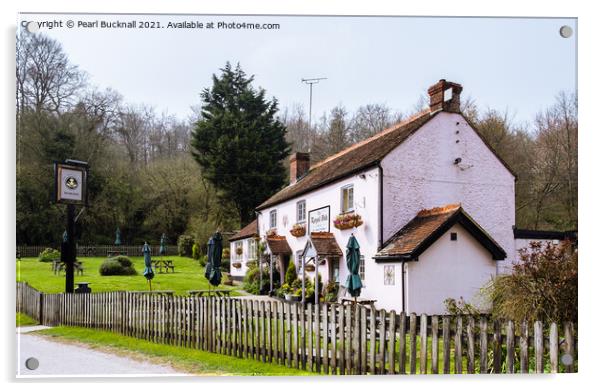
column 251, row 280
column 203, row 260
column 185, row 243
column 226, row 252
column 196, row 251
column 225, row 265
column 49, row 254
column 331, row 292
column 291, row 273
column 117, row 266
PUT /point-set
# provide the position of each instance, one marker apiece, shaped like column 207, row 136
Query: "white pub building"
column 429, row 201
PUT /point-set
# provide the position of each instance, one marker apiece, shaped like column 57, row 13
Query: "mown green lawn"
column 185, row 359
column 24, row 320
column 188, row 276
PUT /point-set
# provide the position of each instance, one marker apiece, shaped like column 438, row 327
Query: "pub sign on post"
column 70, row 182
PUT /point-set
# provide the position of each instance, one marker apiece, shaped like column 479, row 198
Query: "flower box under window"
column 298, row 230
column 348, row 221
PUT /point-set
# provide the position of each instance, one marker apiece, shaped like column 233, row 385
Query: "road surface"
column 60, row 359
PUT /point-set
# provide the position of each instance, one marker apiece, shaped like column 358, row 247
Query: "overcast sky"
column 510, row 64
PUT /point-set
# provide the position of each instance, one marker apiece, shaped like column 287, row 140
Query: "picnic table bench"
column 115, row 253
column 159, row 292
column 58, row 267
column 209, row 292
column 166, row 264
column 359, row 300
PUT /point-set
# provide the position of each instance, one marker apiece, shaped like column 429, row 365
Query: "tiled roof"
column 325, row 244
column 278, row 245
column 353, row 159
column 428, row 226
column 247, row 232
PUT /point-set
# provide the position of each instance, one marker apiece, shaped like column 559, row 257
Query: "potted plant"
column 310, row 268
column 348, row 221
column 298, row 230
column 237, row 265
column 286, row 290
column 271, row 232
column 238, row 250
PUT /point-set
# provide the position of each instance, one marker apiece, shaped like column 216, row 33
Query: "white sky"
column 503, row 63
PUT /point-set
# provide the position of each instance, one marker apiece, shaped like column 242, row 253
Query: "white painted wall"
column 420, row 174
column 366, row 199
column 448, row 269
column 243, row 259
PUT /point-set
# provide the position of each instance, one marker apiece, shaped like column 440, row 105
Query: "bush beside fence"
column 324, row 338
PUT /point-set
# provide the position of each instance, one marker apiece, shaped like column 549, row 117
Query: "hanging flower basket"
column 271, row 232
column 348, row 221
column 310, row 268
column 298, row 230
column 237, row 265
column 238, row 250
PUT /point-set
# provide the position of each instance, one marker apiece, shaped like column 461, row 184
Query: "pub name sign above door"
column 319, row 220
column 70, row 183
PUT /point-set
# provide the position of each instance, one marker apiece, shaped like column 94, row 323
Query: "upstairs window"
column 301, row 212
column 273, row 218
column 347, row 199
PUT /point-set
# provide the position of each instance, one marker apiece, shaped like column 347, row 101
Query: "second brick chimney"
column 299, row 165
column 445, row 96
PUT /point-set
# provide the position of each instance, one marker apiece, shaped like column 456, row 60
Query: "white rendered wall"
column 243, row 259
column 449, row 269
column 366, row 199
column 421, row 174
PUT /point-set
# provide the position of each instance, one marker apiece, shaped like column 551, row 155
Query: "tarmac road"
column 59, row 359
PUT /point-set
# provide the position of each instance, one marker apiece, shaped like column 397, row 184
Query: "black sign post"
column 70, row 188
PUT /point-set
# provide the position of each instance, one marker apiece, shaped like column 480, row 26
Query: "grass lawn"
column 188, row 276
column 184, row 359
column 24, row 320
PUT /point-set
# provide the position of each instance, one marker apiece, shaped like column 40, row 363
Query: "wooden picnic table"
column 158, row 292
column 58, row 267
column 208, row 292
column 161, row 264
column 114, row 253
column 359, row 300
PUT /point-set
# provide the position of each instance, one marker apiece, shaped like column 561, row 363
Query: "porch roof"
column 278, row 245
column 325, row 244
column 428, row 226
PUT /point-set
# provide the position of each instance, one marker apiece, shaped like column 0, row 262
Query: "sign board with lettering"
column 319, row 220
column 70, row 183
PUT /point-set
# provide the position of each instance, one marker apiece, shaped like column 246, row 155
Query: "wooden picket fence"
column 96, row 250
column 325, row 338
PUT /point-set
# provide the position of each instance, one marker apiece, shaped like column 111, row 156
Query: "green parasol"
column 148, row 265
column 354, row 282
column 214, row 259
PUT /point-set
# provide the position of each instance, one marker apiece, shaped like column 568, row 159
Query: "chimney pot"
column 299, row 165
column 445, row 96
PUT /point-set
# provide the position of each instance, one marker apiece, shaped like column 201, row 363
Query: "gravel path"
column 59, row 359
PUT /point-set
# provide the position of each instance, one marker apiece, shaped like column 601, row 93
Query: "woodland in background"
column 144, row 180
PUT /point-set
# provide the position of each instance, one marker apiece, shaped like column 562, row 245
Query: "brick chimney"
column 299, row 165
column 445, row 96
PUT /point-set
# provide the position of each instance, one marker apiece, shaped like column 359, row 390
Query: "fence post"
column 538, row 340
column 470, row 339
column 446, row 344
column 435, row 344
column 524, row 347
column 423, row 343
column 570, row 347
column 510, row 347
column 412, row 343
column 554, row 348
column 458, row 346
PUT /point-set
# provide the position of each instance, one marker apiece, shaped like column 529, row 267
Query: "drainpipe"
column 380, row 206
column 403, row 285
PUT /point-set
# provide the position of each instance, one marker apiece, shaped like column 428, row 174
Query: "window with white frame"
column 238, row 250
column 301, row 212
column 273, row 218
column 347, row 199
column 362, row 269
column 299, row 262
column 252, row 247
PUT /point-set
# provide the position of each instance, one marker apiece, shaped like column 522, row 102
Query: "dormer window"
column 347, row 199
